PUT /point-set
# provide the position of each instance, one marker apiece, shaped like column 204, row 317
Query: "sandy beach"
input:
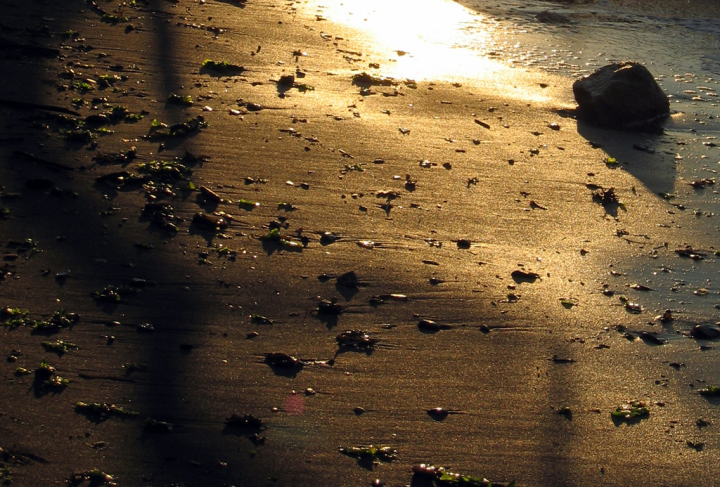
column 307, row 188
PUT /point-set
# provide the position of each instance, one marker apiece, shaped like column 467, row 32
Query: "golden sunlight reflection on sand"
column 427, row 40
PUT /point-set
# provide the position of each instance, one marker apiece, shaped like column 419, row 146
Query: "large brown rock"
column 621, row 96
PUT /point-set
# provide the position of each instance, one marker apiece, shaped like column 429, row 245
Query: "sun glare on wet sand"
column 427, row 40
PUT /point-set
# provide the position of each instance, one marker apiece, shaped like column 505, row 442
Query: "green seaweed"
column 173, row 169
column 248, row 204
column 113, row 19
column 304, row 87
column 370, row 452
column 632, row 410
column 59, row 346
column 45, row 369
column 60, row 319
column 8, row 313
column 82, row 87
column 109, row 78
column 274, row 236
column 443, row 477
column 180, row 100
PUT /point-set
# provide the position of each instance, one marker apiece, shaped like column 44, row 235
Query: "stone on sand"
column 622, row 96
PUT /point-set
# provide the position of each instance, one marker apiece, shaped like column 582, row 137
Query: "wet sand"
column 485, row 202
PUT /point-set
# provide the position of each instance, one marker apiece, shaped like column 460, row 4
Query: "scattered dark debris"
column 211, row 195
column 145, row 328
column 463, row 243
column 697, row 446
column 690, row 253
column 223, row 67
column 365, row 79
column 522, row 276
column 283, row 360
column 410, row 184
column 482, row 124
column 431, row 326
column 286, row 81
column 651, row 339
column 95, row 477
column 209, row 220
column 161, row 215
column 605, row 196
column 329, row 307
column 710, row 391
column 112, row 293
column 327, row 238
column 565, row 411
column 702, row 183
column 705, row 332
column 562, row 360
column 258, row 319
column 122, row 179
column 356, row 339
column 439, row 414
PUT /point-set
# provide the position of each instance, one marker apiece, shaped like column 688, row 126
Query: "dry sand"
column 517, row 193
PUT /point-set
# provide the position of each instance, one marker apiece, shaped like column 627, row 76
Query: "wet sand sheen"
column 485, row 202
